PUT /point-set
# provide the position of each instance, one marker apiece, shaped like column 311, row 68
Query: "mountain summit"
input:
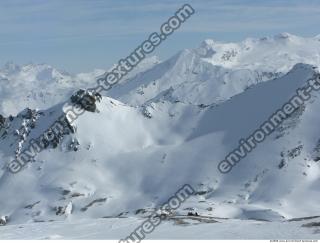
column 169, row 124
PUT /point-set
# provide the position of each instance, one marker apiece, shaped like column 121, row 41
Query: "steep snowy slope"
column 36, row 86
column 130, row 158
column 277, row 54
column 209, row 74
column 216, row 71
column 175, row 121
column 41, row 86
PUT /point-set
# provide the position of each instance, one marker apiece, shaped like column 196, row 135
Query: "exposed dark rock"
column 77, row 194
column 86, row 99
column 193, row 214
column 295, row 152
column 282, row 164
column 3, row 220
column 312, row 224
column 30, row 206
column 74, row 145
column 146, row 112
column 201, row 193
column 303, row 218
column 60, row 210
column 141, row 211
column 2, row 121
column 100, row 200
column 64, row 210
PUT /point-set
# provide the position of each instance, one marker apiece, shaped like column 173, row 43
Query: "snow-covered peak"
column 117, row 156
column 189, row 112
column 287, row 36
column 41, row 85
column 216, row 71
column 268, row 54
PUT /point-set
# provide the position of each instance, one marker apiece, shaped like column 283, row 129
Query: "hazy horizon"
column 79, row 36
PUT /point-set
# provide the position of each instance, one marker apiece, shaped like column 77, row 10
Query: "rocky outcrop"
column 86, row 99
column 3, row 220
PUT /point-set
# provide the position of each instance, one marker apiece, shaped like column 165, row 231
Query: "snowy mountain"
column 169, row 124
column 41, row 85
column 216, row 71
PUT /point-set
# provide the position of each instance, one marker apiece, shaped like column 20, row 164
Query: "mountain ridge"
column 159, row 130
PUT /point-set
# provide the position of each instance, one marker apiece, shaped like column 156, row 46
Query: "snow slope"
column 117, row 228
column 216, row 71
column 130, row 161
column 165, row 132
column 41, row 85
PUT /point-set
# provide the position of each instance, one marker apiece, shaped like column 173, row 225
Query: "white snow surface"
column 168, row 124
column 117, row 228
column 41, row 85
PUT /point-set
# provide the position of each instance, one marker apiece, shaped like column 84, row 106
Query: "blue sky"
column 80, row 35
